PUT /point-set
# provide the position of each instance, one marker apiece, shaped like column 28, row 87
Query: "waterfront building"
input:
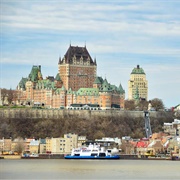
column 173, row 129
column 1, row 145
column 34, row 146
column 61, row 145
column 75, row 83
column 71, row 141
column 17, row 145
column 48, row 145
column 42, row 146
column 137, row 84
column 140, row 147
column 26, row 144
column 7, row 144
column 156, row 146
column 109, row 142
column 81, row 140
column 56, row 145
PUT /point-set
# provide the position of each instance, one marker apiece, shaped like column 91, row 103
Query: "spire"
column 95, row 61
column 59, row 60
column 121, row 89
column 63, row 88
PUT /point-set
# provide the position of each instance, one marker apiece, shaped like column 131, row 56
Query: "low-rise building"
column 81, row 140
column 48, row 145
column 42, row 146
column 109, row 142
column 173, row 128
column 34, row 146
column 18, row 145
column 7, row 144
column 61, row 145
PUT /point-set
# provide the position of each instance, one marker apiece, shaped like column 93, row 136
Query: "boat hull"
column 92, row 157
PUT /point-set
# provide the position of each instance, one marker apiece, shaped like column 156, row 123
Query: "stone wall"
column 57, row 113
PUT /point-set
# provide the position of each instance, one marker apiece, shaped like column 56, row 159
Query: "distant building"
column 34, row 146
column 81, row 140
column 42, row 146
column 76, row 83
column 109, row 142
column 173, row 128
column 176, row 108
column 137, row 85
column 61, row 145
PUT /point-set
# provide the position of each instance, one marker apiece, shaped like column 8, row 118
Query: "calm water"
column 88, row 169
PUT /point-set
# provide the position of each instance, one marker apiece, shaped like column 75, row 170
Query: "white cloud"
column 119, row 34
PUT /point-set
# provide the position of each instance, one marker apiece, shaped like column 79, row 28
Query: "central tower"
column 77, row 69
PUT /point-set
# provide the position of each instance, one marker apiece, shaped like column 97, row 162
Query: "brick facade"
column 76, row 82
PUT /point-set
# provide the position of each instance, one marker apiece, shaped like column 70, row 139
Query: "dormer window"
column 81, row 60
column 74, row 59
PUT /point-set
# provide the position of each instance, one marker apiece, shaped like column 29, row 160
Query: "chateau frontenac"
column 75, row 83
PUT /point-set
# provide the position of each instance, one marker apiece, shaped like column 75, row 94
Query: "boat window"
column 102, row 154
column 94, row 154
column 76, row 154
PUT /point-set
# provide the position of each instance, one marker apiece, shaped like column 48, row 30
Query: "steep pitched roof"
column 35, row 74
column 97, row 80
column 51, row 78
column 122, row 91
column 58, row 78
column 22, row 83
column 105, row 86
column 77, row 53
column 46, row 84
column 142, row 144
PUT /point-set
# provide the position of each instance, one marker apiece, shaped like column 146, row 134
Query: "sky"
column 120, row 34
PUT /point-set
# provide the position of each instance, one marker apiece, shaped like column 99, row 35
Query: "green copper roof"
column 121, row 89
column 45, row 84
column 22, row 83
column 88, row 92
column 35, row 74
column 63, row 88
column 138, row 70
column 70, row 91
column 58, row 78
column 58, row 90
column 105, row 87
column 98, row 80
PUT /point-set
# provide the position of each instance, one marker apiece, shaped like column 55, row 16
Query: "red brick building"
column 76, row 82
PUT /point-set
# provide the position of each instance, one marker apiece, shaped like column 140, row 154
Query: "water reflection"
column 88, row 169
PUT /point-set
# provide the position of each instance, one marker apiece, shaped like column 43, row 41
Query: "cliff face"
column 39, row 123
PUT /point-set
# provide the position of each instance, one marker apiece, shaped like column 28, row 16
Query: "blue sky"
column 119, row 33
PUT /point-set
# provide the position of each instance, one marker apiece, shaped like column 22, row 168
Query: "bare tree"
column 143, row 105
column 9, row 95
column 130, row 104
column 3, row 94
column 19, row 147
column 157, row 104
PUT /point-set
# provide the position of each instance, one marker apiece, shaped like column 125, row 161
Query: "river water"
column 89, row 169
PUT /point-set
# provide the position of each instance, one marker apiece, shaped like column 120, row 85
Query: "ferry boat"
column 93, row 151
